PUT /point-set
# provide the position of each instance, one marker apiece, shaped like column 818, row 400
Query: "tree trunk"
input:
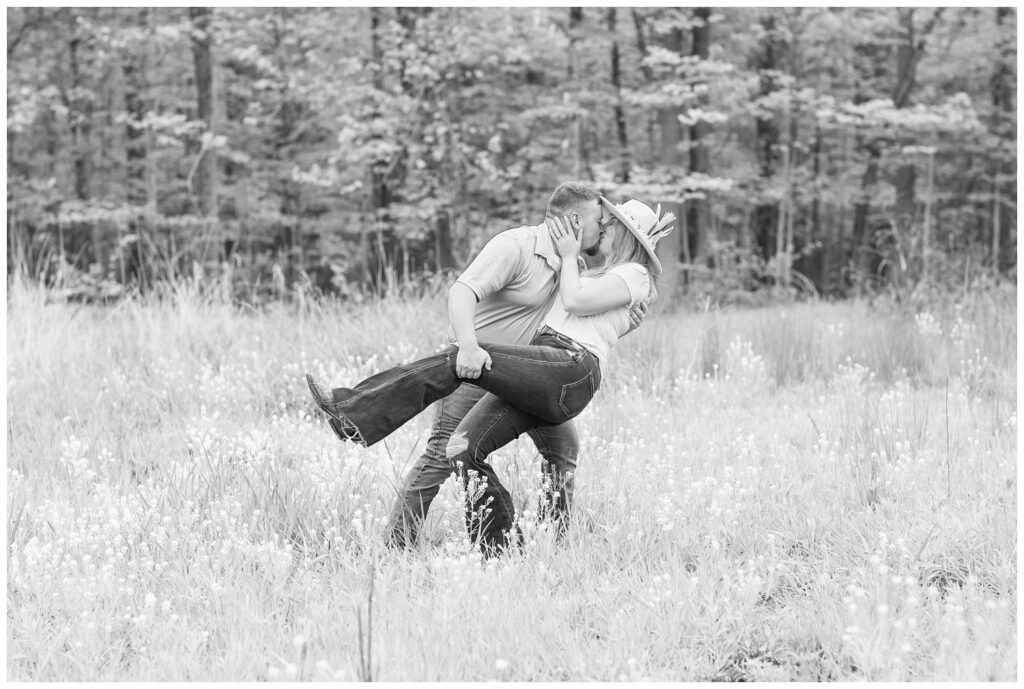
column 110, row 139
column 452, row 177
column 906, row 76
column 1004, row 125
column 81, row 122
column 623, row 166
column 864, row 258
column 133, row 69
column 80, row 115
column 645, row 70
column 765, row 217
column 379, row 194
column 204, row 188
column 670, row 249
column 670, row 155
column 443, row 242
column 698, row 213
column 575, row 20
column 908, row 54
column 581, row 159
column 905, row 182
column 906, row 59
column 820, row 259
column 926, row 228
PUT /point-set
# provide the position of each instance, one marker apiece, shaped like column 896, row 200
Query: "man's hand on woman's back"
column 636, row 315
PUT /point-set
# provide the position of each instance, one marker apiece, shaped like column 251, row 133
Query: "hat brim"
column 644, row 242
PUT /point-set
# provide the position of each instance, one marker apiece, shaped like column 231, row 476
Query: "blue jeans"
column 542, row 384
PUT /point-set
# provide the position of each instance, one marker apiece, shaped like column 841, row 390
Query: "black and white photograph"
column 511, row 344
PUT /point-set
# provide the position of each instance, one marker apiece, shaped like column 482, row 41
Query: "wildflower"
column 500, row 664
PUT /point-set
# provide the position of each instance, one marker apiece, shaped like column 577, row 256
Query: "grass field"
column 811, row 492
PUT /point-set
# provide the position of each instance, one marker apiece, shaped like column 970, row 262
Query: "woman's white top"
column 599, row 332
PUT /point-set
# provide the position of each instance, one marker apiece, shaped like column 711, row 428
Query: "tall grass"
column 808, row 342
column 820, row 491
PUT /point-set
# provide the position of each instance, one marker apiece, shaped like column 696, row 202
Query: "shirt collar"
column 545, row 248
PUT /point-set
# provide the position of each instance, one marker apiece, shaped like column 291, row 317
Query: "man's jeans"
column 542, row 384
column 558, row 447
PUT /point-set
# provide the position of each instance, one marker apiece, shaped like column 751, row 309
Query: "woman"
column 546, row 382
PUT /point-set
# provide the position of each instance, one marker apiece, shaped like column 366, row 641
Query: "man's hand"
column 566, row 243
column 637, row 315
column 470, row 361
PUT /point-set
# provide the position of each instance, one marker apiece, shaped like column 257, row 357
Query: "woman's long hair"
column 626, row 248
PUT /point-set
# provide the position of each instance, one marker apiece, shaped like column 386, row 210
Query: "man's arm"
column 471, row 359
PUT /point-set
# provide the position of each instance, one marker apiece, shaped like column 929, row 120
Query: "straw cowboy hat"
column 644, row 223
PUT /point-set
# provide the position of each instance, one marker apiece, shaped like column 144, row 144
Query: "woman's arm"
column 597, row 296
column 604, row 293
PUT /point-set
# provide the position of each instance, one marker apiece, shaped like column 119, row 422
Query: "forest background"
column 827, row 151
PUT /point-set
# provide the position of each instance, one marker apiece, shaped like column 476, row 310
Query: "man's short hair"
column 569, row 196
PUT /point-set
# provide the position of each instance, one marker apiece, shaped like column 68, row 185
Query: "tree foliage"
column 822, row 148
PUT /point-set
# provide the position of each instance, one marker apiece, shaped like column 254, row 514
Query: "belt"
column 563, row 339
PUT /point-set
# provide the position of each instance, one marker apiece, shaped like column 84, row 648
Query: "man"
column 502, row 297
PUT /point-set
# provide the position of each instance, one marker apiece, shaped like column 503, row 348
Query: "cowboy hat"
column 644, row 223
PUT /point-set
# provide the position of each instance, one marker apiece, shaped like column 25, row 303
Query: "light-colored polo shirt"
column 599, row 332
column 515, row 278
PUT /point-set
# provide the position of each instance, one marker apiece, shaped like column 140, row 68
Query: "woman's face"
column 608, row 233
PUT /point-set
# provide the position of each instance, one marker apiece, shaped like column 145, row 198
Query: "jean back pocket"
column 576, row 396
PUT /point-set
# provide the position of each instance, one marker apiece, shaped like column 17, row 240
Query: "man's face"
column 589, row 224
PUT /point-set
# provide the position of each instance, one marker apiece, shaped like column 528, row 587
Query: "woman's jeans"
column 547, row 382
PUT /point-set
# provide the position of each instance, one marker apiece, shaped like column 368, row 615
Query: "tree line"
column 828, row 151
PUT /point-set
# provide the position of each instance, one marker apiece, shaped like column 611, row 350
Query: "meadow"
column 814, row 491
